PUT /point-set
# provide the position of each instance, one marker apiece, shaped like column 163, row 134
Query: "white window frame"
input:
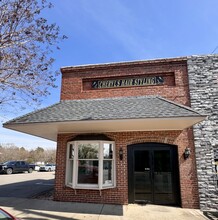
column 74, row 182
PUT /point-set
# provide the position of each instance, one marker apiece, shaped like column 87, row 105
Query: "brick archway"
column 148, row 139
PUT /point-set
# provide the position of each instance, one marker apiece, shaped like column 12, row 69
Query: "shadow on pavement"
column 44, row 216
column 26, row 188
column 211, row 215
column 52, row 207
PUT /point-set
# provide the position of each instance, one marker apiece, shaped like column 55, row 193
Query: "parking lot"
column 26, row 185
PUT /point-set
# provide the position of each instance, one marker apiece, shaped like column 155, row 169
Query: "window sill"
column 90, row 188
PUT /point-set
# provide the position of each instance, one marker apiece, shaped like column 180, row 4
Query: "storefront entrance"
column 153, row 174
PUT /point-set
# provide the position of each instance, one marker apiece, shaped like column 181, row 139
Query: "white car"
column 47, row 168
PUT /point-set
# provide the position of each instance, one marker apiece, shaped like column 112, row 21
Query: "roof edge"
column 30, row 113
column 123, row 64
column 101, row 120
column 182, row 106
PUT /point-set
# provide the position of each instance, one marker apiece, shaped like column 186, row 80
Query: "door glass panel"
column 142, row 176
column 163, row 191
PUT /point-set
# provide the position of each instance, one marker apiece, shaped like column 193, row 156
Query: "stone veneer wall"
column 203, row 85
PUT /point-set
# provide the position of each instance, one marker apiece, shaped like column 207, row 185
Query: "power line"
column 215, row 49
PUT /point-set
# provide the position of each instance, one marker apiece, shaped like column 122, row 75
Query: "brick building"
column 124, row 133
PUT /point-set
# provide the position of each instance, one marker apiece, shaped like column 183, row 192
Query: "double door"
column 153, row 174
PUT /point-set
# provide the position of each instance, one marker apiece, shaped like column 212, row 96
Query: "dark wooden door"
column 153, row 174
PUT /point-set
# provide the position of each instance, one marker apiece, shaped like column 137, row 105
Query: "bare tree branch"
column 27, row 41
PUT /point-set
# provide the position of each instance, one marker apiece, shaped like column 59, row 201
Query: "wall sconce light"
column 187, row 153
column 121, row 154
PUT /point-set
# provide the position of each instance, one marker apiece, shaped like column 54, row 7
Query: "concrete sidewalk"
column 36, row 209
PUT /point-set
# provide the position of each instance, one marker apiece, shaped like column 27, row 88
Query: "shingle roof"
column 107, row 109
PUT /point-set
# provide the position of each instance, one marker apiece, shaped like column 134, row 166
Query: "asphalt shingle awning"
column 143, row 113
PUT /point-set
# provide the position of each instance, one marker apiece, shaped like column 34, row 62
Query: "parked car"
column 47, row 168
column 37, row 167
column 15, row 166
column 7, row 216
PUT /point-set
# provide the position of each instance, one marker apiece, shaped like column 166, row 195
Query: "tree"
column 27, row 41
column 50, row 156
column 23, row 154
column 10, row 151
column 39, row 154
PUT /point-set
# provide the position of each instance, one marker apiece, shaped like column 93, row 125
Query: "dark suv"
column 10, row 167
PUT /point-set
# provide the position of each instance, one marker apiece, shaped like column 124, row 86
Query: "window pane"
column 107, row 172
column 108, row 151
column 87, row 172
column 70, row 172
column 71, row 151
column 88, row 151
column 17, row 164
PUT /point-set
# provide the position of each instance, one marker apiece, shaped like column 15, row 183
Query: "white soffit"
column 52, row 129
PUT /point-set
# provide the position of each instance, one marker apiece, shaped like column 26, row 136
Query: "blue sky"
column 124, row 30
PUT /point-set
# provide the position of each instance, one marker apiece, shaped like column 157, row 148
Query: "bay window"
column 90, row 164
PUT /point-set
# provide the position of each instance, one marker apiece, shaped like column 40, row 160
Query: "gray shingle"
column 108, row 109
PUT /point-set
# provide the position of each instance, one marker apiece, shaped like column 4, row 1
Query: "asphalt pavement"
column 25, row 185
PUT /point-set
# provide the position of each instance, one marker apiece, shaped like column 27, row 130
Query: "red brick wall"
column 119, row 195
column 75, row 85
column 174, row 88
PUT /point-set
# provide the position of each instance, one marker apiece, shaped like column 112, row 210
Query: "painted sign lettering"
column 115, row 83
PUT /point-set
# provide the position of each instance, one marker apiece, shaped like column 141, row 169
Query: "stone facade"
column 203, row 85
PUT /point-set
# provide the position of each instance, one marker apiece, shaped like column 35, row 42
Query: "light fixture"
column 187, row 153
column 121, row 154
